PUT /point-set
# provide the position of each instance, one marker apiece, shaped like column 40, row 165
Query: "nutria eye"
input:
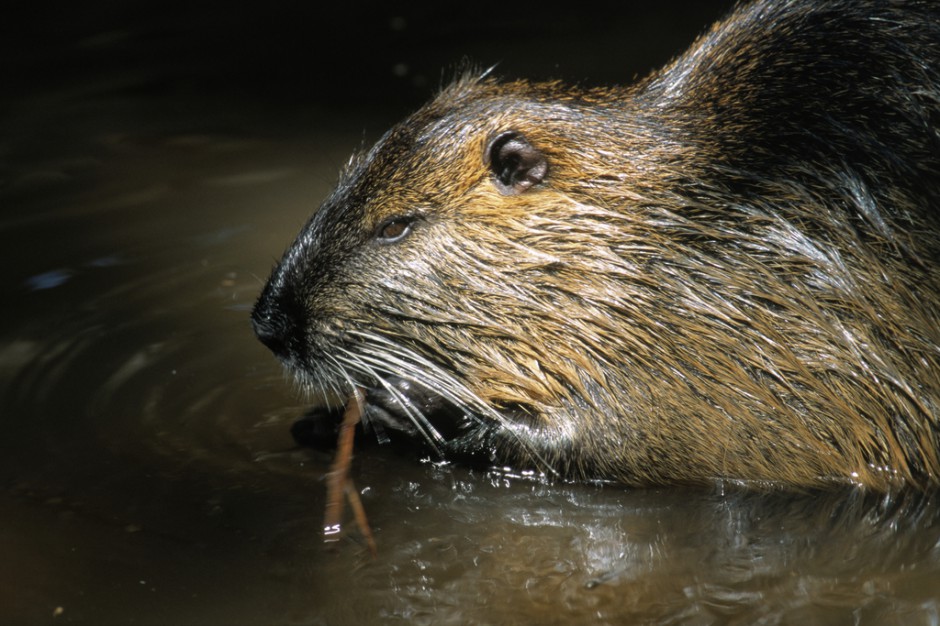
column 394, row 229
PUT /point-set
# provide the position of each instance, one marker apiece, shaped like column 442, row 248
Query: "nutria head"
column 698, row 277
column 429, row 272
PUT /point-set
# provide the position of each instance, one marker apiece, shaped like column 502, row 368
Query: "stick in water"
column 339, row 482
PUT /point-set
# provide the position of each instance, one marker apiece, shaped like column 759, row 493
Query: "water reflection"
column 558, row 554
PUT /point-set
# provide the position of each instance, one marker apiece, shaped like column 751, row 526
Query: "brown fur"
column 730, row 270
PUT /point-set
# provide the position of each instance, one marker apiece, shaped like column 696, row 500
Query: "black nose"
column 278, row 321
column 270, row 331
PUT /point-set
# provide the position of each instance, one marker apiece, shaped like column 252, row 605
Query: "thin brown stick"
column 339, row 482
column 359, row 513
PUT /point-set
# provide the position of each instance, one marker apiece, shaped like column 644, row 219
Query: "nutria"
column 730, row 270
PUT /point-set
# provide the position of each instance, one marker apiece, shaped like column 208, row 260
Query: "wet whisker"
column 420, row 421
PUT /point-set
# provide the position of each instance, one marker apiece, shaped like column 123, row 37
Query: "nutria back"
column 730, row 270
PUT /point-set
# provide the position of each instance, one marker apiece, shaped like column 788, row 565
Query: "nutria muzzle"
column 280, row 322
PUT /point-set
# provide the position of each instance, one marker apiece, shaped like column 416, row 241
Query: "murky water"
column 147, row 474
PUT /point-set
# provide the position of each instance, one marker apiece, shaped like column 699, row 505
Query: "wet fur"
column 729, row 270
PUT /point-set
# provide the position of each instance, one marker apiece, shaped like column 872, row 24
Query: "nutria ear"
column 516, row 164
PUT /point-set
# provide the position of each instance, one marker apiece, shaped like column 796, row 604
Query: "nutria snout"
column 730, row 270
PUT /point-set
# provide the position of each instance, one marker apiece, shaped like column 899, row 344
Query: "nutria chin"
column 730, row 270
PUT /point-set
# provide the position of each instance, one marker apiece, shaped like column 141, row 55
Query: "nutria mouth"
column 728, row 270
column 395, row 409
column 401, row 404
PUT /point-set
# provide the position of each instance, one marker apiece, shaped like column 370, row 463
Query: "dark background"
column 336, row 56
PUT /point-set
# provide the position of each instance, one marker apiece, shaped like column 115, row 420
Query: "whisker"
column 417, row 418
column 382, row 352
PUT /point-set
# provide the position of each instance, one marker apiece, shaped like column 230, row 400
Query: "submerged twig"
column 339, row 482
column 359, row 514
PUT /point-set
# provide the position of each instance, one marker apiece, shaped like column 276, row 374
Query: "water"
column 147, row 474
